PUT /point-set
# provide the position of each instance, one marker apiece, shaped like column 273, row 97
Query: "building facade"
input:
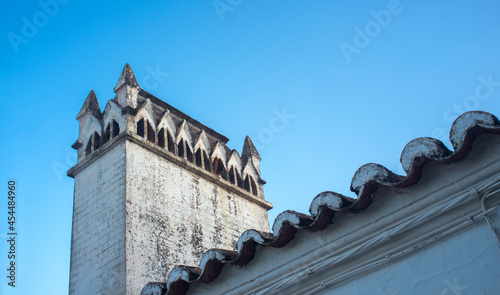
column 154, row 188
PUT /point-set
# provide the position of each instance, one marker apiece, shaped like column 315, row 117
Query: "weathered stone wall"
column 98, row 238
column 174, row 216
column 154, row 188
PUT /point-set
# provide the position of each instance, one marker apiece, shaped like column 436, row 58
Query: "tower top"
column 126, row 78
column 147, row 120
column 249, row 149
column 91, row 105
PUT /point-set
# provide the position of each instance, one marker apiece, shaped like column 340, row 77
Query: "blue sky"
column 358, row 80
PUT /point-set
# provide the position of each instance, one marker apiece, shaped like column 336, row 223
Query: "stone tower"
column 154, row 188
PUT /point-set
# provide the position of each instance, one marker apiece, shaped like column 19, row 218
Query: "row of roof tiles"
column 367, row 179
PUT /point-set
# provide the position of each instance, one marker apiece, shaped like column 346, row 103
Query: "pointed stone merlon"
column 127, row 88
column 96, row 127
column 89, row 111
column 250, row 152
column 91, row 105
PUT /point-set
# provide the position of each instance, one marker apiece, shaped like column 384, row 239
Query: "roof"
column 144, row 94
column 367, row 179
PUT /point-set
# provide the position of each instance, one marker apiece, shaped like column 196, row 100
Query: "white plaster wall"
column 98, row 234
column 467, row 263
column 174, row 216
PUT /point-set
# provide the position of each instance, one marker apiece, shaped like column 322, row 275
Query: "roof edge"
column 367, row 179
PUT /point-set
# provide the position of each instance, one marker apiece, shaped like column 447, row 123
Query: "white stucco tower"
column 154, row 188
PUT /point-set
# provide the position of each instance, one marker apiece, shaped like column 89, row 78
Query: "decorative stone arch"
column 184, row 142
column 167, row 132
column 145, row 124
column 91, row 124
column 220, row 152
column 219, row 168
column 203, row 142
column 93, row 143
column 235, row 168
column 219, row 161
column 235, row 176
column 250, row 178
column 202, row 149
column 111, row 130
column 89, row 133
column 202, row 160
column 112, row 121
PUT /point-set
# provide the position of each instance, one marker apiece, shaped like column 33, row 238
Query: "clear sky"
column 357, row 81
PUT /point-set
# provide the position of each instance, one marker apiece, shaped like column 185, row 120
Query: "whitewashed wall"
column 174, row 216
column 468, row 263
column 98, row 239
